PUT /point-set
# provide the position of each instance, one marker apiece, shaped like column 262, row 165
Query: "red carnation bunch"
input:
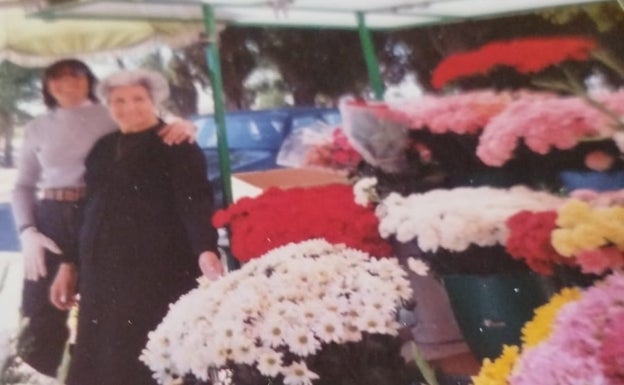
column 529, row 240
column 278, row 217
column 527, row 55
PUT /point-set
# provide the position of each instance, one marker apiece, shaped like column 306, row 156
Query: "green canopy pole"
column 214, row 67
column 372, row 65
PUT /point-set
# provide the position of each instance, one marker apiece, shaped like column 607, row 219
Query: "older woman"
column 146, row 234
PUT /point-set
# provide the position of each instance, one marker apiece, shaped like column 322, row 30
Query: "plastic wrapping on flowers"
column 278, row 217
column 378, row 133
column 318, row 145
column 307, row 313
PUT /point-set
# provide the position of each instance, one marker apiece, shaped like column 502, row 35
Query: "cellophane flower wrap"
column 377, row 133
column 334, row 152
column 319, row 146
column 497, row 371
column 278, row 217
column 307, row 313
column 585, row 345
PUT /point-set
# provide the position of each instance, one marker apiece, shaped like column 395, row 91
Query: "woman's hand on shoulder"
column 63, row 289
column 210, row 265
column 178, row 131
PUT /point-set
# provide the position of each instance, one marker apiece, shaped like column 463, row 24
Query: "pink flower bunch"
column 586, row 344
column 336, row 152
column 465, row 113
column 598, row 261
column 545, row 124
column 612, row 354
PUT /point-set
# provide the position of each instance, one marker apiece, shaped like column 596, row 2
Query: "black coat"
column 147, row 219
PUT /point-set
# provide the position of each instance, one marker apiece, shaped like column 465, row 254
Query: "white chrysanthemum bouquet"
column 304, row 313
column 460, row 230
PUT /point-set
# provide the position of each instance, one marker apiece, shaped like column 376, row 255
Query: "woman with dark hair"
column 51, row 166
column 146, row 236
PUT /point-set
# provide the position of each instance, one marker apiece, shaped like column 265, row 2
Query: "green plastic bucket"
column 492, row 309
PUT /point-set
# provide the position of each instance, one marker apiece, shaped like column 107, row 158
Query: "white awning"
column 380, row 14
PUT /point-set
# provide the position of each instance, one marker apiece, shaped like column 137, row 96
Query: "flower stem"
column 425, row 369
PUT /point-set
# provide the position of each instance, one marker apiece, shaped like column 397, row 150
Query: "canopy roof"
column 34, row 42
column 380, row 14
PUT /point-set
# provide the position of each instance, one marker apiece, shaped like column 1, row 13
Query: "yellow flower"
column 588, row 237
column 582, row 228
column 496, row 372
column 563, row 241
column 572, row 213
column 540, row 327
column 611, row 224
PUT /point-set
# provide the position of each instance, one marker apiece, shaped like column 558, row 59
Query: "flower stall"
column 444, row 171
column 471, row 194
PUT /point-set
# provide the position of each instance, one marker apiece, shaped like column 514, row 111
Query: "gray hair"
column 155, row 84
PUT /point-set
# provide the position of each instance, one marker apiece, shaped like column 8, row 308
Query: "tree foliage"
column 17, row 85
column 605, row 16
column 328, row 62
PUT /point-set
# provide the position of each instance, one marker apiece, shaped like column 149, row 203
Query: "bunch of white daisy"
column 277, row 312
column 457, row 218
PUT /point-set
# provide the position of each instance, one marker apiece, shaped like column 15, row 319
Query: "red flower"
column 278, row 217
column 529, row 240
column 526, row 55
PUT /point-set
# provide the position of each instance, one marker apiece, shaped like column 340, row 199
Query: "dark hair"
column 60, row 67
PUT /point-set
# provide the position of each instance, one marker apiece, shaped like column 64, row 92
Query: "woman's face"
column 132, row 108
column 70, row 89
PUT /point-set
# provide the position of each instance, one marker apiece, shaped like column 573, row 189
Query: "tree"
column 17, row 85
column 425, row 47
column 312, row 62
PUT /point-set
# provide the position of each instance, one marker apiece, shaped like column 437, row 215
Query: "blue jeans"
column 42, row 341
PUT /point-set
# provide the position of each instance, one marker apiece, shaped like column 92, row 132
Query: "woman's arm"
column 63, row 289
column 23, row 204
column 177, row 131
column 24, row 196
column 194, row 203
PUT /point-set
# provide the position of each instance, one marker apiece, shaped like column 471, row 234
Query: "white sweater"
column 53, row 154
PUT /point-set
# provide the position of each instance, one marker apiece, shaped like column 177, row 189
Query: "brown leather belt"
column 64, row 194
